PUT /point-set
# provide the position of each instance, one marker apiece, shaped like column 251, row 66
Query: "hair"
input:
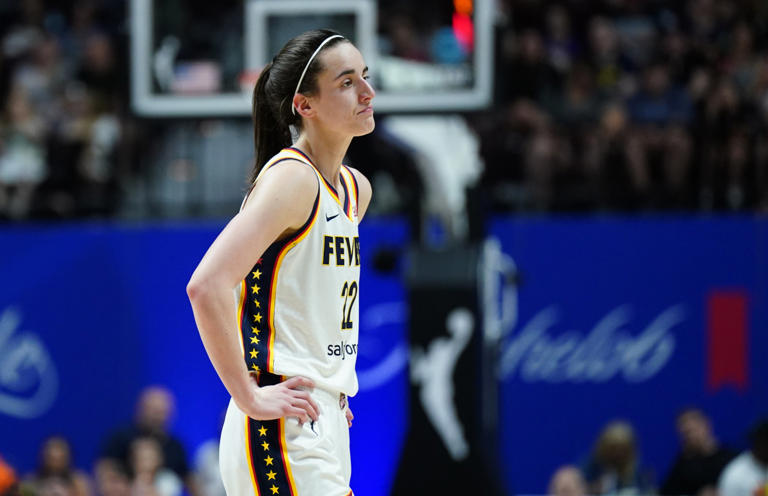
column 273, row 94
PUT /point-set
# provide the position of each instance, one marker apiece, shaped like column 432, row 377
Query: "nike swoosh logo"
column 331, row 217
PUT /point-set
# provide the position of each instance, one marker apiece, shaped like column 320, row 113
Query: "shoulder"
column 362, row 182
column 735, row 471
column 290, row 171
column 289, row 177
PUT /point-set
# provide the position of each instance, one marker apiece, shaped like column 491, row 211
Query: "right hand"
column 287, row 399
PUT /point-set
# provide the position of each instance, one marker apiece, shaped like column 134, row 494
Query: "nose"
column 367, row 92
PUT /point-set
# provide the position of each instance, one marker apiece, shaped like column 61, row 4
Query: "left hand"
column 349, row 416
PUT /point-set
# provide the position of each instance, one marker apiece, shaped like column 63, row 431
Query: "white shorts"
column 277, row 457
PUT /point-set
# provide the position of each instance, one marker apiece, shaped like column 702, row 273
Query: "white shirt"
column 743, row 476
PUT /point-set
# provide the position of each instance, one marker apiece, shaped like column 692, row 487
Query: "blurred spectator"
column 660, row 113
column 608, row 154
column 111, row 478
column 9, row 485
column 153, row 415
column 561, row 45
column 55, row 463
column 528, row 74
column 149, row 478
column 747, row 474
column 612, row 69
column 567, row 481
column 206, row 467
column 42, row 77
column 55, row 486
column 404, row 39
column 701, row 459
column 22, row 155
column 614, row 465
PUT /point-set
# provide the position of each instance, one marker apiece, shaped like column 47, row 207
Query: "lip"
column 367, row 110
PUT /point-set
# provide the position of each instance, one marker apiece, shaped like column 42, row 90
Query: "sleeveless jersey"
column 298, row 307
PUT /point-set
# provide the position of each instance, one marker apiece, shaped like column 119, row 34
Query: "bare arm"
column 364, row 194
column 279, row 204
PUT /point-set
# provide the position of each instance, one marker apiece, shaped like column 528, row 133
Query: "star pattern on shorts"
column 271, row 475
column 268, row 460
column 262, row 431
column 274, row 489
column 265, row 445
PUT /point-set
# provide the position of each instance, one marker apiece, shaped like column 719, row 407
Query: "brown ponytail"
column 273, row 94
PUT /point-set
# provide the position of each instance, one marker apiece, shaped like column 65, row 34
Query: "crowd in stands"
column 144, row 458
column 601, row 105
column 630, row 105
column 703, row 466
column 64, row 94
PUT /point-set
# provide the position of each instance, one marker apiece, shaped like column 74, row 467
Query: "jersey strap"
column 352, row 192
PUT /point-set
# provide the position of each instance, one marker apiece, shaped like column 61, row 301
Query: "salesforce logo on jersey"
column 342, row 349
column 618, row 345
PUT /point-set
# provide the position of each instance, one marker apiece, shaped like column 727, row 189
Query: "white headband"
column 293, row 107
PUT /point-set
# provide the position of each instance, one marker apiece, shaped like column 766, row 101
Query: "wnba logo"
column 29, row 382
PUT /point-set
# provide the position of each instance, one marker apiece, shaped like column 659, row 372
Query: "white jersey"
column 298, row 307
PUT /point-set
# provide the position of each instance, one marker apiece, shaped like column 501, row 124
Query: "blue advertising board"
column 615, row 318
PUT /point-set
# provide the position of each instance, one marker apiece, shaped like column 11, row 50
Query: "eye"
column 347, row 83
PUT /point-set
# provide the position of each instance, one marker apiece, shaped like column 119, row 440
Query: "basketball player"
column 285, row 346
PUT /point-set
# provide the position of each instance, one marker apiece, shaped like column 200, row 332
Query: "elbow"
column 196, row 289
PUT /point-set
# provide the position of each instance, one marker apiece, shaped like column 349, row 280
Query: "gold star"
column 255, row 367
column 257, row 317
column 258, row 305
column 257, row 274
column 254, row 353
column 273, row 489
column 255, row 331
column 263, row 431
column 268, row 459
column 254, row 340
column 255, row 288
column 271, row 475
column 265, row 445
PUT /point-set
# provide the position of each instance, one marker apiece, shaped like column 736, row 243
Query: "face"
column 56, row 456
column 568, row 481
column 694, row 430
column 343, row 101
column 146, row 456
column 155, row 407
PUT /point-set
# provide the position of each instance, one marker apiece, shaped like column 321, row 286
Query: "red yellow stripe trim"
column 351, row 189
column 240, row 310
column 249, row 455
column 284, row 454
column 273, row 287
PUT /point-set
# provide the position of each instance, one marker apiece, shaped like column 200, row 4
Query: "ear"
column 302, row 105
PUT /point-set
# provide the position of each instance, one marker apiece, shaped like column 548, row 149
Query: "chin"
column 367, row 128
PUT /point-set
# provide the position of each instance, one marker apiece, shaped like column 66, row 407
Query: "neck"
column 326, row 151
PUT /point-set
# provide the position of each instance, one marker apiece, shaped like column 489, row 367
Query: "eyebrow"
column 349, row 71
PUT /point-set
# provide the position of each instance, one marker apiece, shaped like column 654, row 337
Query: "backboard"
column 198, row 59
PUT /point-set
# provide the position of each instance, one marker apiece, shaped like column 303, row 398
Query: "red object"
column 728, row 330
column 464, row 31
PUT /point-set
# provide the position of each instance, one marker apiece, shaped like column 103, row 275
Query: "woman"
column 55, row 464
column 292, row 253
